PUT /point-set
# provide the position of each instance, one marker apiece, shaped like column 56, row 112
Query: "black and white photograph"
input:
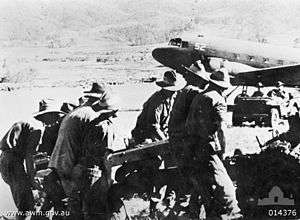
column 149, row 109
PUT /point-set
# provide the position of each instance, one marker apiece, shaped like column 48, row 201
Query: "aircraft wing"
column 289, row 75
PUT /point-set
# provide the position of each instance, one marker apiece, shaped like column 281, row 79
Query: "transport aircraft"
column 248, row 62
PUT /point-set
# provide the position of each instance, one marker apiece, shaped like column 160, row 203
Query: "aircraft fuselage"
column 247, row 62
column 259, row 55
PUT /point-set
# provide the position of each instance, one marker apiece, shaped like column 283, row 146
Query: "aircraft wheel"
column 274, row 119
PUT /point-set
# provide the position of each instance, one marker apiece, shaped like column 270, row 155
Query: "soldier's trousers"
column 88, row 202
column 212, row 175
column 13, row 173
column 181, row 152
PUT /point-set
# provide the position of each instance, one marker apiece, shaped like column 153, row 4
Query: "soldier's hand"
column 221, row 155
column 106, row 163
column 37, row 185
column 130, row 143
column 147, row 141
column 270, row 142
column 201, row 67
column 265, row 145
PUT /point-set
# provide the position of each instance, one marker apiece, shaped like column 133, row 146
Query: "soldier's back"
column 203, row 110
column 19, row 135
column 181, row 109
column 70, row 136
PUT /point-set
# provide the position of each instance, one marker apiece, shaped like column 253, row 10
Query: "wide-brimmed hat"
column 109, row 101
column 96, row 91
column 171, row 81
column 48, row 106
column 197, row 69
column 220, row 78
column 104, row 96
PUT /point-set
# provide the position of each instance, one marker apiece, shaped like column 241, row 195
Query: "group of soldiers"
column 189, row 111
column 277, row 92
column 191, row 115
column 77, row 138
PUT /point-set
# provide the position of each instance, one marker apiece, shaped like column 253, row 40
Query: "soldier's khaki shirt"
column 75, row 136
column 180, row 111
column 22, row 138
column 207, row 113
column 153, row 121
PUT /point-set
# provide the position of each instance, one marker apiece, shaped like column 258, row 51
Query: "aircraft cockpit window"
column 176, row 42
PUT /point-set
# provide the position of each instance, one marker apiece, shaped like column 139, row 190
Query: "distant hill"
column 62, row 23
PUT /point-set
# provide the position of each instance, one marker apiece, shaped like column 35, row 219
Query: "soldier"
column 206, row 126
column 278, row 91
column 84, row 137
column 242, row 95
column 152, row 123
column 95, row 92
column 51, row 116
column 96, row 89
column 20, row 143
column 292, row 135
column 197, row 78
column 258, row 92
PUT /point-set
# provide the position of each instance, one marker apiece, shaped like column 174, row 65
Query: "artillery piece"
column 276, row 169
column 268, row 183
column 258, row 177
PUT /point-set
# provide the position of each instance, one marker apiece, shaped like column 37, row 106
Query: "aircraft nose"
column 163, row 56
column 173, row 57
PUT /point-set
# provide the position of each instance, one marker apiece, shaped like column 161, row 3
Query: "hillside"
column 74, row 42
column 64, row 23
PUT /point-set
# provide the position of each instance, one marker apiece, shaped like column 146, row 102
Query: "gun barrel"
column 141, row 152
